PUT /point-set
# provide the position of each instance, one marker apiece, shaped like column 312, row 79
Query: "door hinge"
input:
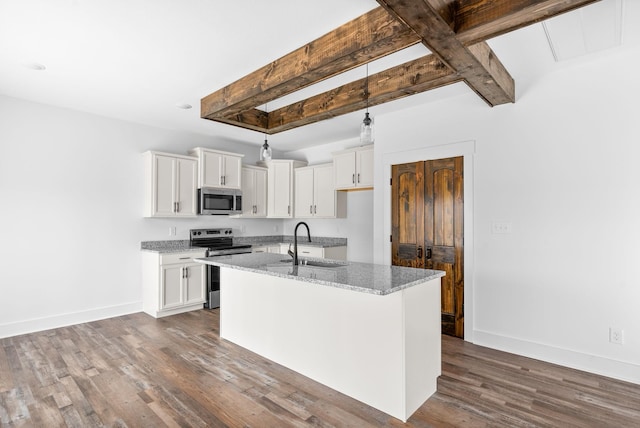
column 391, row 182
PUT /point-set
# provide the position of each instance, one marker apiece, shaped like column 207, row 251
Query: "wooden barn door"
column 407, row 215
column 427, row 228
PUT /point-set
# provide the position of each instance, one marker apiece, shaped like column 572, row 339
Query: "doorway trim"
column 382, row 210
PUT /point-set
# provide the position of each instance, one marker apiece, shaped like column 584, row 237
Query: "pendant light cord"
column 366, row 90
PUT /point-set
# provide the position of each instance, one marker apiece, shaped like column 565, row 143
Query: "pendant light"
column 265, row 150
column 366, row 129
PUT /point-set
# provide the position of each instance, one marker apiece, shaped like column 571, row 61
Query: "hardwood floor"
column 137, row 371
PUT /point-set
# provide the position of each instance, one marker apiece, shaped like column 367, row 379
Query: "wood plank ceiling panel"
column 454, row 30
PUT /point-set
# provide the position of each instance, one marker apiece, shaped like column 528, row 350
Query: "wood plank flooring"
column 136, row 371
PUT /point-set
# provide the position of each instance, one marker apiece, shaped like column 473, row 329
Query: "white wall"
column 561, row 164
column 72, row 190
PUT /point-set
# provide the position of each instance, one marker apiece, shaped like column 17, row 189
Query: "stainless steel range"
column 219, row 242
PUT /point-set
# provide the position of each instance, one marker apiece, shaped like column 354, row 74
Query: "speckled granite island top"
column 363, row 277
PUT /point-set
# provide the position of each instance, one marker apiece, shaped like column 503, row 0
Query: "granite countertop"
column 362, row 277
column 166, row 247
column 183, row 245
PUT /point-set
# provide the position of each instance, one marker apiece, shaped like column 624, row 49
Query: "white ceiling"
column 137, row 60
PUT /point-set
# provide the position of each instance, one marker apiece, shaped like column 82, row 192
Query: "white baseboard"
column 576, row 360
column 63, row 320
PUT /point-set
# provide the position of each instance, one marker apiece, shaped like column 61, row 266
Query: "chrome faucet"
column 295, row 241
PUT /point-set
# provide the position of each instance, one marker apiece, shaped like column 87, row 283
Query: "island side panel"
column 423, row 342
column 350, row 341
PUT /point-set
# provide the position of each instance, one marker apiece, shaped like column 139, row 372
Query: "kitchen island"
column 369, row 331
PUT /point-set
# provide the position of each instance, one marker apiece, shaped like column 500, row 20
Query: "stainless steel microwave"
column 218, row 201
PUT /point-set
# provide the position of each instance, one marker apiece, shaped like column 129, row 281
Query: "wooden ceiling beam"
column 366, row 38
column 479, row 20
column 454, row 30
column 410, row 78
column 479, row 67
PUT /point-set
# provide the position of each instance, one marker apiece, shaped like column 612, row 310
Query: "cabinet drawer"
column 171, row 258
column 310, row 251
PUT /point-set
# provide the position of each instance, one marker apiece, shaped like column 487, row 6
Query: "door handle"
column 358, row 177
column 419, row 252
column 353, row 178
column 428, row 253
column 310, row 209
column 315, row 209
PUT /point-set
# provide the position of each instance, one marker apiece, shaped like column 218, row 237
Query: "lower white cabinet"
column 172, row 283
column 335, row 253
column 266, row 249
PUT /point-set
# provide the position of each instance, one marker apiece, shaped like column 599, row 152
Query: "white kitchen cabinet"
column 315, row 195
column 254, row 191
column 280, row 185
column 218, row 169
column 172, row 283
column 266, row 249
column 353, row 168
column 170, row 185
column 335, row 253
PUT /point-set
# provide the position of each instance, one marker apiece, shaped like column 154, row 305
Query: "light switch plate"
column 501, row 227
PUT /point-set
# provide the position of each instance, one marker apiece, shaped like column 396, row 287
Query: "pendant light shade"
column 366, row 129
column 265, row 151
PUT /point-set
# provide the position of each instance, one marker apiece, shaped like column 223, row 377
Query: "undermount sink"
column 314, row 263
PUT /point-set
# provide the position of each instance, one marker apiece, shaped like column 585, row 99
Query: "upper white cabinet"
column 280, row 184
column 170, row 185
column 254, row 191
column 218, row 169
column 353, row 169
column 315, row 195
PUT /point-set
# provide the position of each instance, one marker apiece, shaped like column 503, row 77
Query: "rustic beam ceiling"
column 455, row 31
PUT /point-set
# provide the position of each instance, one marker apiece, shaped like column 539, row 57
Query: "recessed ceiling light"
column 35, row 66
column 184, row 106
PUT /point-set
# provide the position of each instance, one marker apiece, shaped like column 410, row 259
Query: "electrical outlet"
column 501, row 227
column 616, row 335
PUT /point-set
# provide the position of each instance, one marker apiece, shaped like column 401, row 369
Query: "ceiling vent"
column 586, row 30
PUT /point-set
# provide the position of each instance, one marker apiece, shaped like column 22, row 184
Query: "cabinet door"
column 186, row 185
column 364, row 168
column 304, row 251
column 164, row 185
column 260, row 193
column 232, row 172
column 195, row 284
column 248, row 192
column 324, row 192
column 212, row 169
column 171, row 286
column 280, row 197
column 304, row 200
column 344, row 171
